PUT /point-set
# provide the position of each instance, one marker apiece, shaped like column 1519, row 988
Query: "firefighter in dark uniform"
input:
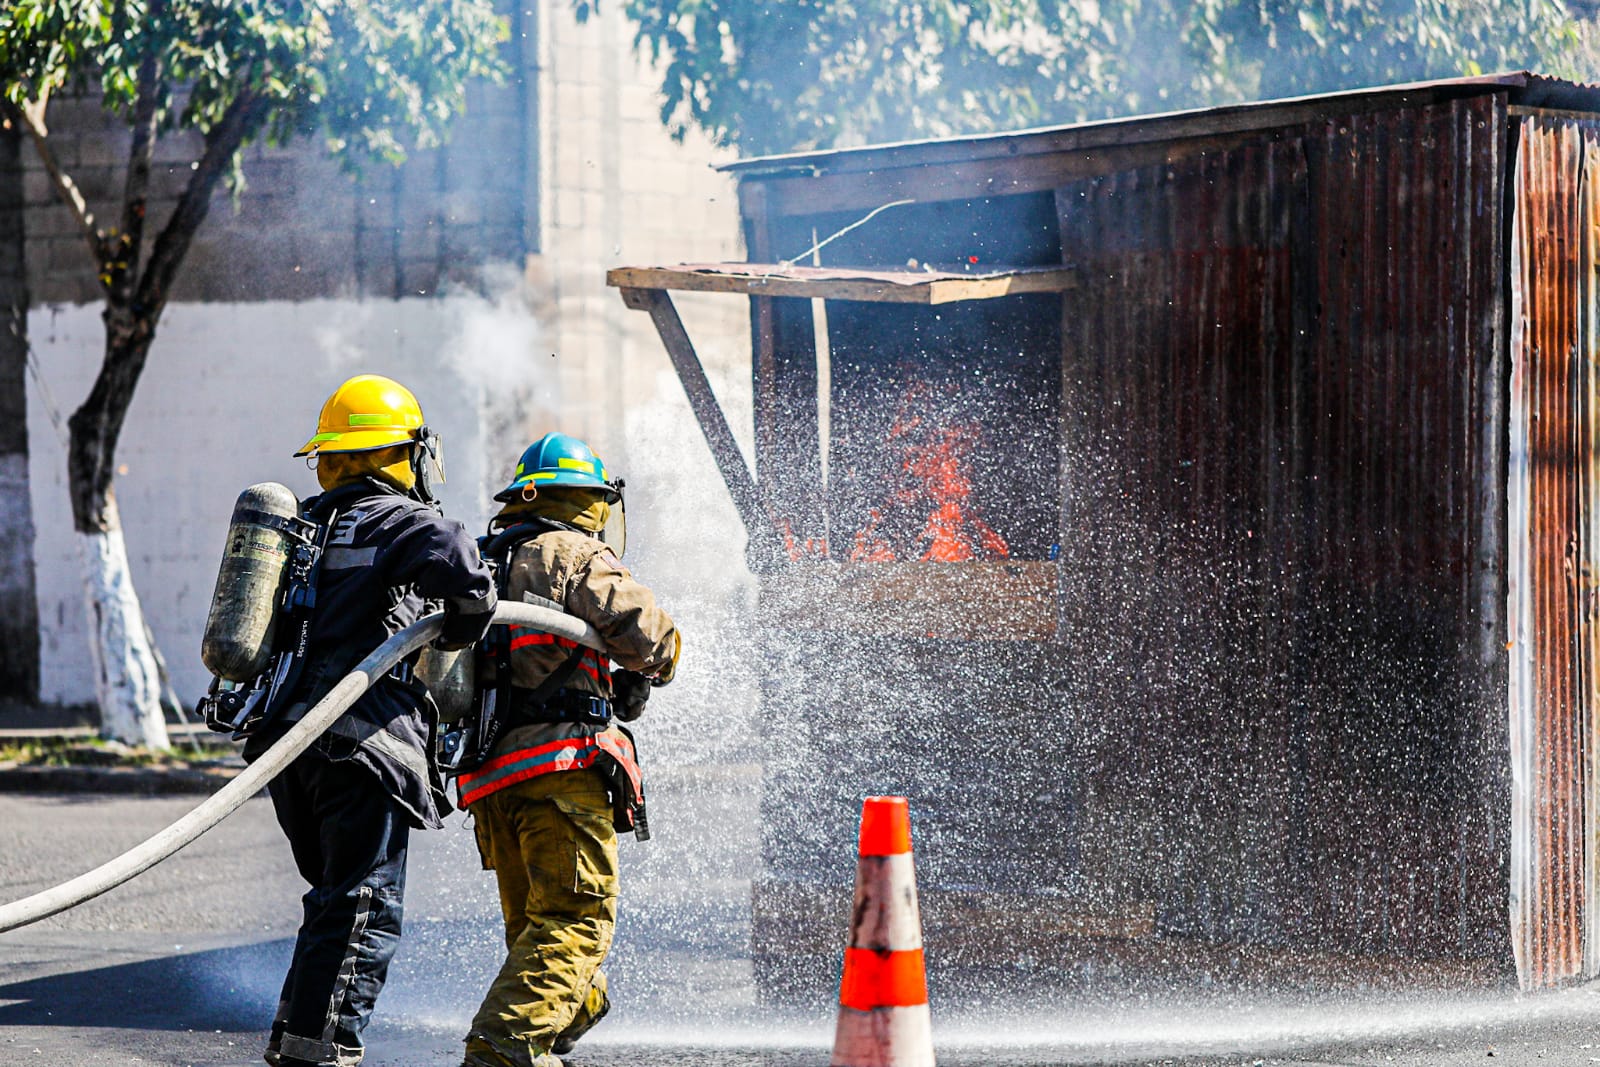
column 564, row 778
column 348, row 804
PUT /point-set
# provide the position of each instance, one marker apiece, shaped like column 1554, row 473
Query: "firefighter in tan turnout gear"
column 562, row 777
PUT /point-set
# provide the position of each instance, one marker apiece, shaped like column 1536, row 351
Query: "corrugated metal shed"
column 1258, row 374
column 1552, row 554
column 1322, row 673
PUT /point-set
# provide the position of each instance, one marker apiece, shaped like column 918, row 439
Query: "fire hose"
column 253, row 778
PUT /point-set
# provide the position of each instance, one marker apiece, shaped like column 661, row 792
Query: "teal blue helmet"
column 559, row 459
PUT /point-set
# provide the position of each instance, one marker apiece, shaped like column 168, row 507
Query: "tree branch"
column 131, row 324
column 123, row 268
column 243, row 117
column 30, row 118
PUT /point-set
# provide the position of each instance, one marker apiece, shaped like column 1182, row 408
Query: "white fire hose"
column 224, row 801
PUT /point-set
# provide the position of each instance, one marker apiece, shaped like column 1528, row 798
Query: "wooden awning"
column 649, row 289
column 834, row 283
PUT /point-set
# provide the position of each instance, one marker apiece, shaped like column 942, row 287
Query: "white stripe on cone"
column 884, row 1037
column 886, row 917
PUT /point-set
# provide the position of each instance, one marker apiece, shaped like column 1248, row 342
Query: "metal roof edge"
column 1534, row 90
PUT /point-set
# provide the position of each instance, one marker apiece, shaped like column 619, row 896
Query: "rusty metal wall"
column 1554, row 548
column 1589, row 517
column 1282, row 359
column 1276, row 702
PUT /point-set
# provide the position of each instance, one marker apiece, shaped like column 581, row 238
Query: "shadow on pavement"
column 220, row 989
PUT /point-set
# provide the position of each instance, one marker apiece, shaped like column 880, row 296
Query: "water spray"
column 226, row 800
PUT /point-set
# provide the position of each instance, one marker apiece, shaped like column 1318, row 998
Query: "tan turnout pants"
column 552, row 847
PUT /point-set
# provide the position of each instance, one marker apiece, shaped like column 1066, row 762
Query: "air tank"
column 449, row 676
column 244, row 608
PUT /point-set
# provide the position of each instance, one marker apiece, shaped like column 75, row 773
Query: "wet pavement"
column 181, row 967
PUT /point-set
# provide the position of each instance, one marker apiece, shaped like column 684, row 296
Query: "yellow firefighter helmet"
column 365, row 413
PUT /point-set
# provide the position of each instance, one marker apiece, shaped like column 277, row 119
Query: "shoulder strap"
column 500, row 547
column 558, row 677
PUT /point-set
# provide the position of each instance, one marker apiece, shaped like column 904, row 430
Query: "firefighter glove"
column 466, row 620
column 631, row 690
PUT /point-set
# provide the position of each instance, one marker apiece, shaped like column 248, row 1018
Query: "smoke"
column 498, row 347
column 497, row 341
column 477, row 362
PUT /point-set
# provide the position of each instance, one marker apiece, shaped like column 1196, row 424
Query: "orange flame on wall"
column 797, row 550
column 935, row 465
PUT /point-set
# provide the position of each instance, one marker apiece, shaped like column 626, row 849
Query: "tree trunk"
column 19, row 610
column 127, row 676
column 127, row 681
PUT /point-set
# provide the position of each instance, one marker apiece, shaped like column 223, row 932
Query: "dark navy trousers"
column 349, row 841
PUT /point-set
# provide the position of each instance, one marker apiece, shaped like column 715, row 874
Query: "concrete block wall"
column 546, row 182
column 305, row 226
column 617, row 190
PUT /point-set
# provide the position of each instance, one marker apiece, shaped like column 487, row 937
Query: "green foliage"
column 1336, row 44
column 794, row 74
column 70, row 750
column 364, row 72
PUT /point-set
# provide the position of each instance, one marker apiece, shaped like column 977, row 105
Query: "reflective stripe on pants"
column 552, row 847
column 349, row 840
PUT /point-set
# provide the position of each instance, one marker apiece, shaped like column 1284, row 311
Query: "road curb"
column 141, row 781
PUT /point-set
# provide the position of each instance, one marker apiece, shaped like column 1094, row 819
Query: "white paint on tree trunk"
column 127, row 684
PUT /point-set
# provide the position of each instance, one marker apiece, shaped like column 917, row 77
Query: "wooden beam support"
column 764, row 550
column 819, row 283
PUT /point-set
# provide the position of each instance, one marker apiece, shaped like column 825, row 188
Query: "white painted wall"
column 231, row 390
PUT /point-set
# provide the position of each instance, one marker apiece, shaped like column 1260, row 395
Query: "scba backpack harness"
column 258, row 634
column 592, row 736
column 267, row 584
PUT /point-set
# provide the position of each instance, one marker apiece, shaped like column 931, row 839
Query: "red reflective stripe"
column 582, row 754
column 567, row 754
column 532, row 639
column 589, row 664
column 883, row 979
column 521, row 754
column 539, row 637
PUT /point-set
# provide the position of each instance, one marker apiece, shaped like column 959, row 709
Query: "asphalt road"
column 181, row 967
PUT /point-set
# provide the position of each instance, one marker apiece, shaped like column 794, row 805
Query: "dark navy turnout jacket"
column 386, row 554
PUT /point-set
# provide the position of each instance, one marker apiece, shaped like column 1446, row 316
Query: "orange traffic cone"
column 883, row 1000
